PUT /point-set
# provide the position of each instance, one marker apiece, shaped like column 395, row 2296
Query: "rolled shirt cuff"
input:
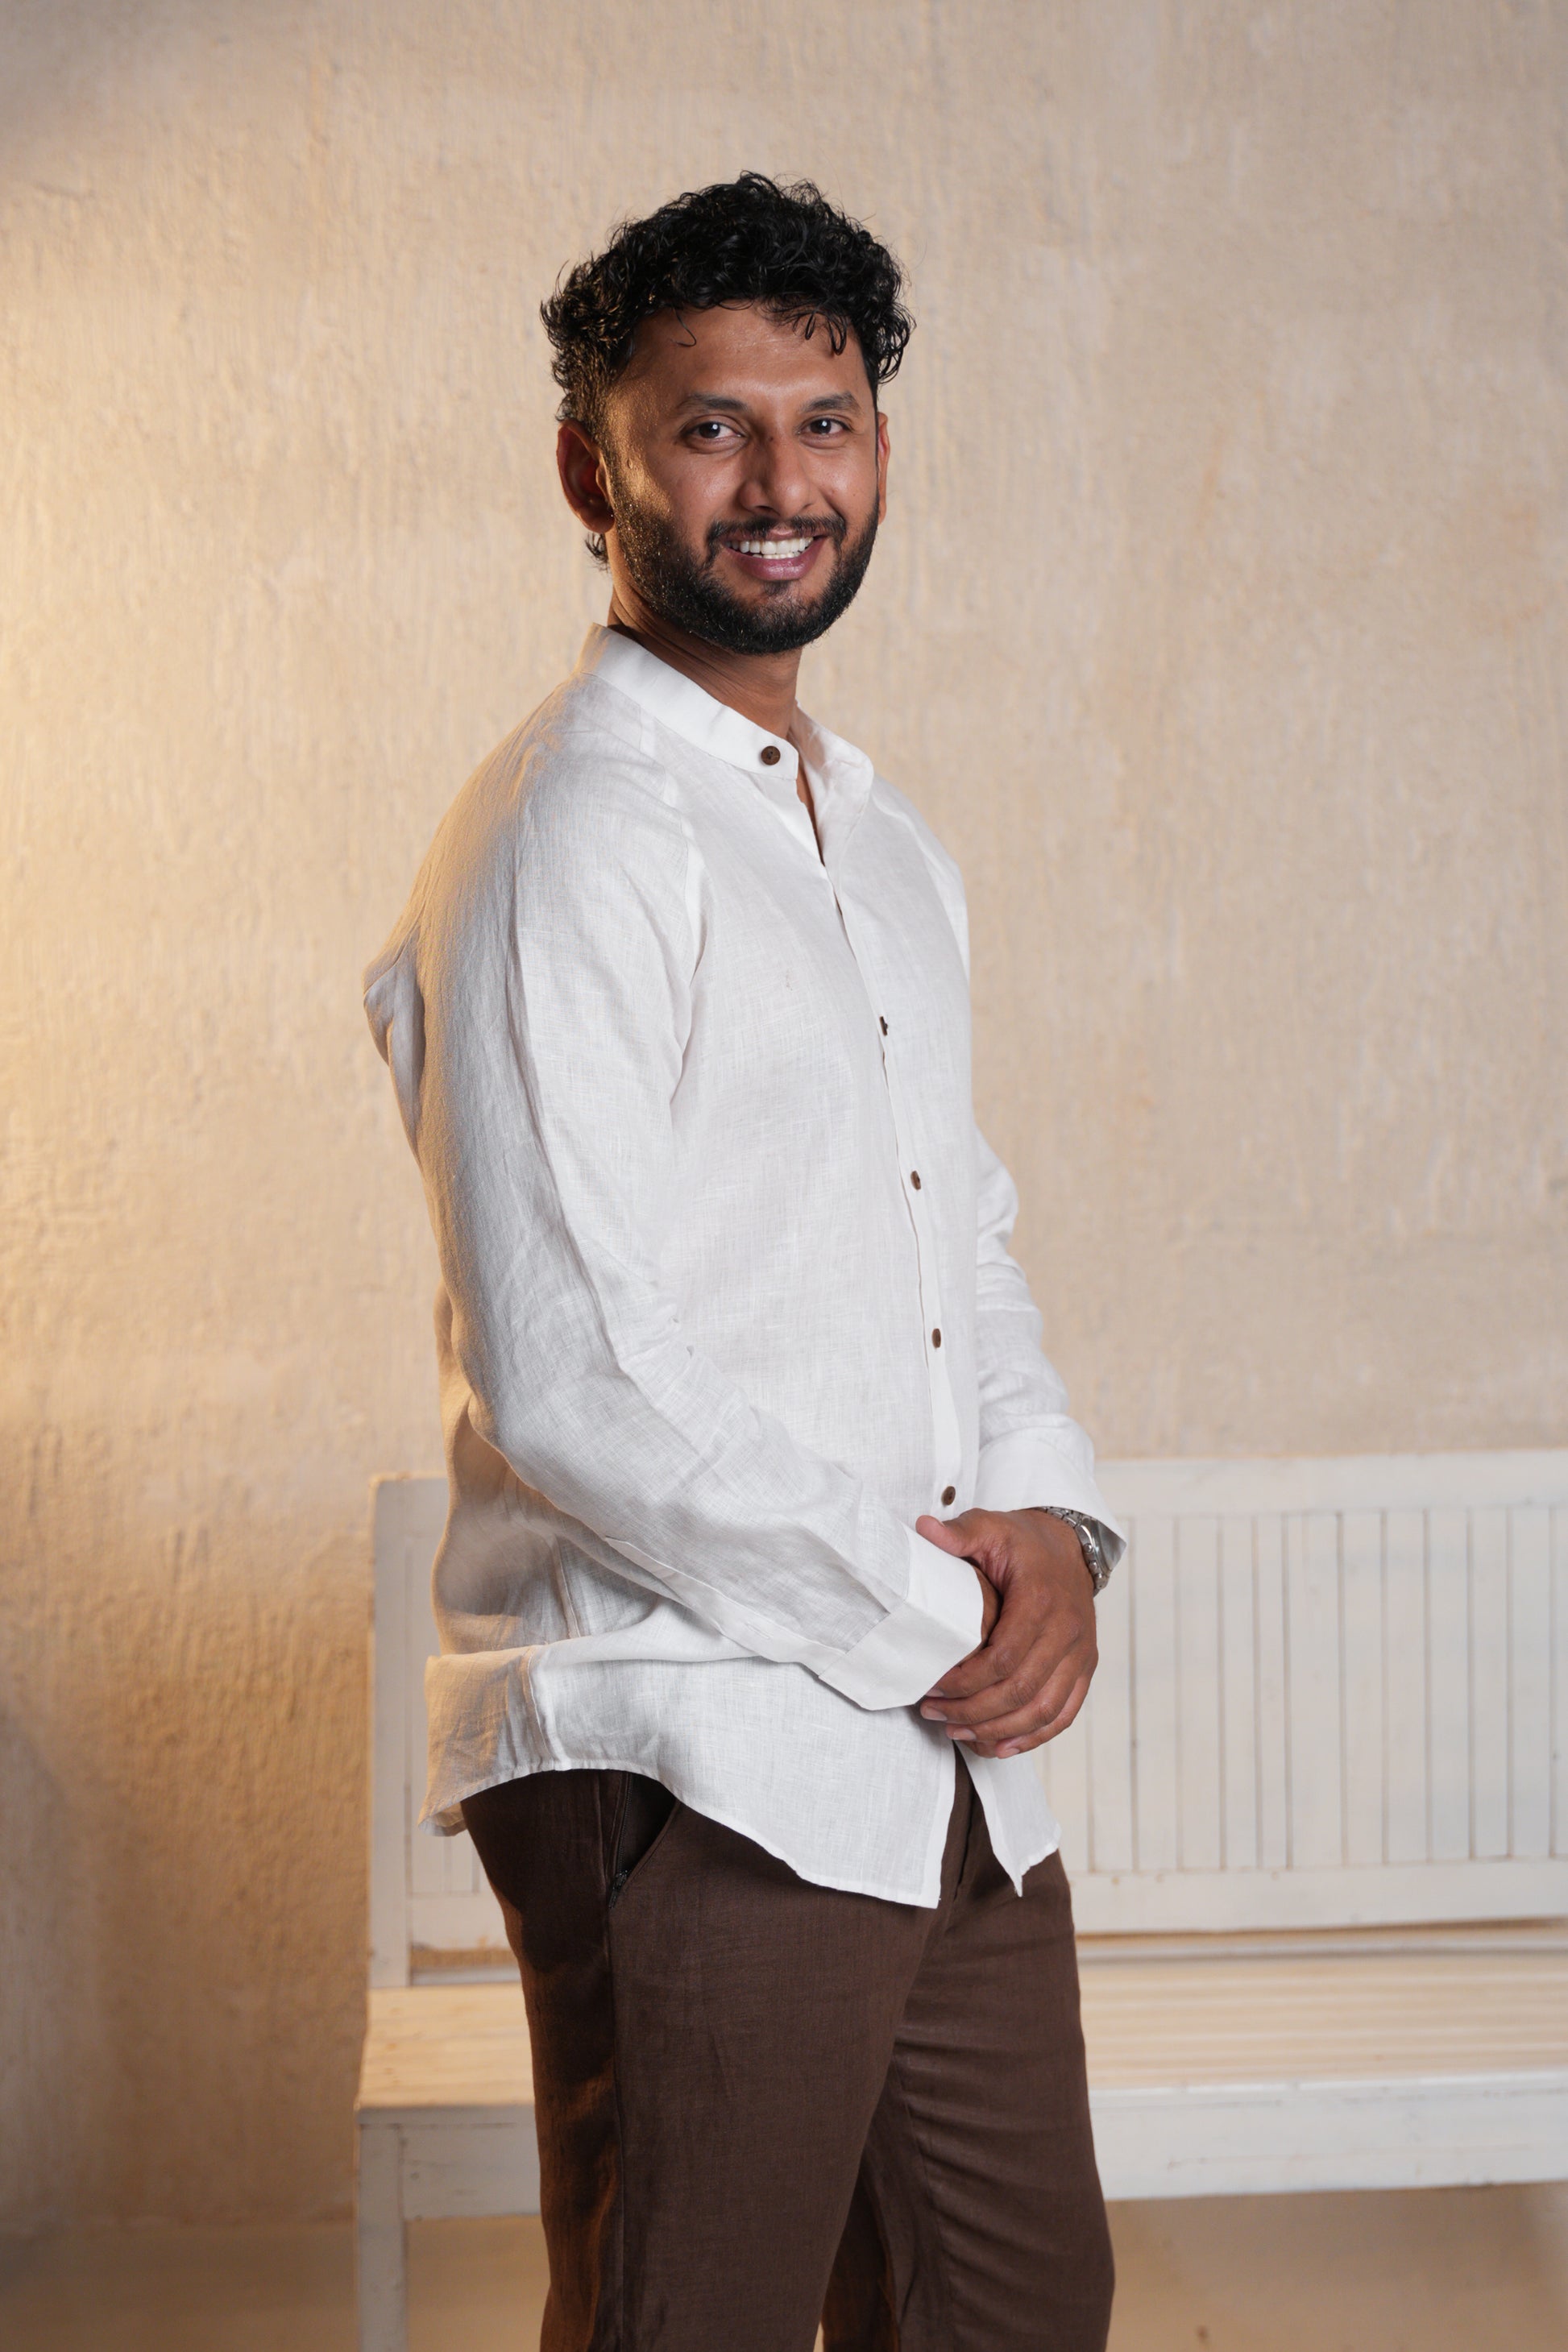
column 1024, row 1472
column 938, row 1623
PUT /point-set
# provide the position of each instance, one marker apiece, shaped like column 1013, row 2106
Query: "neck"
column 761, row 687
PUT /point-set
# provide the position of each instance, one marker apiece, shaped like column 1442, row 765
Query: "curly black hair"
column 745, row 240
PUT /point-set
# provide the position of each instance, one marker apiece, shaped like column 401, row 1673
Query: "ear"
column 584, row 478
column 881, row 468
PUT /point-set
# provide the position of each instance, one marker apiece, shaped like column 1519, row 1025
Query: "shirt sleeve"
column 535, row 1021
column 1032, row 1453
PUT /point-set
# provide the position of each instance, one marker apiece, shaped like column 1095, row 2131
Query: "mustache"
column 726, row 535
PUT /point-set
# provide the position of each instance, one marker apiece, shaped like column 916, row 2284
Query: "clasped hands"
column 1038, row 1651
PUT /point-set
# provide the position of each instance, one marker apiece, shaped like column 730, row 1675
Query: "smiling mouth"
column 777, row 548
column 793, row 542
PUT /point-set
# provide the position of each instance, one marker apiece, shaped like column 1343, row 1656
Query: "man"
column 679, row 1021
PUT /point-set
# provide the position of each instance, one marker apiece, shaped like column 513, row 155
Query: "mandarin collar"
column 710, row 726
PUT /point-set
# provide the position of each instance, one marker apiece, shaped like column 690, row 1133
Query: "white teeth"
column 777, row 548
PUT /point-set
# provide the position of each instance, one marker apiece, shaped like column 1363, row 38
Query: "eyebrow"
column 840, row 401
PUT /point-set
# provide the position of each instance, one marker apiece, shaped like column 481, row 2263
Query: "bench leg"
column 379, row 2249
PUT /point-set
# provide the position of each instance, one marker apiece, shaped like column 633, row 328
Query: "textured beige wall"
column 1218, row 626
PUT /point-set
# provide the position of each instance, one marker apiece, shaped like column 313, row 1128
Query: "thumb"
column 957, row 1536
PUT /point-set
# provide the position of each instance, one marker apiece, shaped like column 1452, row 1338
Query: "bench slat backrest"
column 1331, row 1694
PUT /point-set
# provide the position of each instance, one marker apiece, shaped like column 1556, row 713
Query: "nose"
column 776, row 480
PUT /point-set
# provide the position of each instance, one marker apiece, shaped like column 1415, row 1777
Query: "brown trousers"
column 762, row 2103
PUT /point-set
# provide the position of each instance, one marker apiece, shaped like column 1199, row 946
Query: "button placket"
column 947, row 1440
column 947, row 1443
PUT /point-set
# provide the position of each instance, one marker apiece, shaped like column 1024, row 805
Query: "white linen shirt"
column 726, row 1301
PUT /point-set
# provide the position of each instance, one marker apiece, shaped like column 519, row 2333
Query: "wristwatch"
column 1088, row 1533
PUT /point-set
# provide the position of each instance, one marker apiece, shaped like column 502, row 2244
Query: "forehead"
column 741, row 351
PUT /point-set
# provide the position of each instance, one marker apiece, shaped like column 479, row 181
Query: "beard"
column 684, row 590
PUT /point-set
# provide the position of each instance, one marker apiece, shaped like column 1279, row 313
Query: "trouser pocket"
column 642, row 1816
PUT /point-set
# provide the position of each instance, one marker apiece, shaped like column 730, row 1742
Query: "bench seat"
column 444, row 2112
column 434, row 2046
column 1438, row 2059
column 1366, row 2062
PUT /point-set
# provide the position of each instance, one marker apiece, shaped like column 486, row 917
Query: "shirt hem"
column 447, row 1822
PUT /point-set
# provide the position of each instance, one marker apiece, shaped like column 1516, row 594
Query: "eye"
column 709, row 431
column 826, row 428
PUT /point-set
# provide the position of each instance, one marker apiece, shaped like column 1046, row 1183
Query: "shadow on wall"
column 183, row 1898
column 46, row 1967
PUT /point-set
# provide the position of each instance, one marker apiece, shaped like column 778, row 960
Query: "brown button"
column 915, row 1178
column 882, row 1018
column 770, row 755
column 936, row 1338
column 949, row 1493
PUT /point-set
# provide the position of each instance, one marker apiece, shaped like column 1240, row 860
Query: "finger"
column 1020, row 1623
column 1031, row 1637
column 1048, row 1670
column 1057, row 1708
column 1050, row 1721
column 1033, row 1739
column 1053, row 1709
column 993, row 1665
column 1000, row 1701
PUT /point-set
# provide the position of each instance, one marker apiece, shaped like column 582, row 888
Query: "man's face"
column 746, row 466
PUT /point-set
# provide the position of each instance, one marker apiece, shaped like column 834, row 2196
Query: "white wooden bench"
column 1316, row 1816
